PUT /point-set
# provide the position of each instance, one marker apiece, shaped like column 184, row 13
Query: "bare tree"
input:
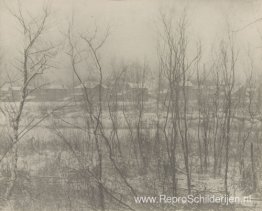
column 35, row 60
column 228, row 66
column 94, row 109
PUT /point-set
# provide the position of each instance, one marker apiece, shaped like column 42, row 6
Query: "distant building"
column 249, row 96
column 129, row 92
column 90, row 90
column 53, row 92
column 191, row 91
column 136, row 91
column 10, row 93
column 4, row 92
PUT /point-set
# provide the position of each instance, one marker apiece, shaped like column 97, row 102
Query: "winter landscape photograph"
column 116, row 105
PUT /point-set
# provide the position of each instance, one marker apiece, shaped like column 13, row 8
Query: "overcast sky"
column 133, row 25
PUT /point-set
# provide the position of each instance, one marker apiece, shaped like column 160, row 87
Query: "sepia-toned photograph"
column 130, row 105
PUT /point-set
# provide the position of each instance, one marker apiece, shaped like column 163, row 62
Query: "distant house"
column 48, row 93
column 92, row 90
column 16, row 93
column 191, row 91
column 5, row 92
column 246, row 95
column 129, row 92
column 10, row 93
column 53, row 92
column 136, row 91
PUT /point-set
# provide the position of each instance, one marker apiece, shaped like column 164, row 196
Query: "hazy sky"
column 134, row 24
